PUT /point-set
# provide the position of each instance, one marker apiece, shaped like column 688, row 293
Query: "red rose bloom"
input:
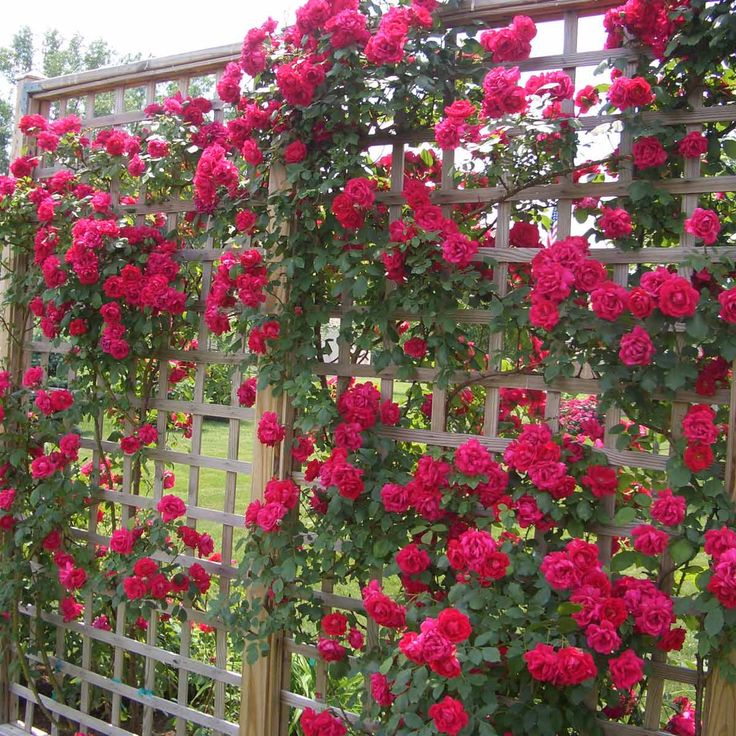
column 381, row 690
column 640, row 303
column 601, row 479
column 626, row 670
column 322, row 724
column 615, row 223
column 454, row 625
column 412, row 560
column 171, row 507
column 134, row 588
column 270, row 432
column 130, row 445
column 693, row 145
column 698, row 457
column 334, row 624
column 609, row 301
column 575, row 667
column 673, row 640
column 636, row 347
column 449, row 716
column 677, row 298
column 704, row 224
column 330, row 650
column 295, row 152
column 541, row 662
column 415, row 348
column 648, row 153
column 122, row 541
column 668, row 509
column 727, row 300
column 648, row 540
column 699, row 424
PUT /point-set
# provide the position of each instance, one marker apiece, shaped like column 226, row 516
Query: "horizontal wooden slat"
column 612, row 256
column 75, row 716
column 488, row 196
column 299, row 701
column 136, row 647
column 185, row 560
column 135, row 694
column 501, row 11
column 191, row 356
column 195, row 512
column 221, row 411
column 609, row 727
column 9, row 729
column 714, row 114
column 533, row 382
column 498, row 445
column 179, row 458
column 164, row 68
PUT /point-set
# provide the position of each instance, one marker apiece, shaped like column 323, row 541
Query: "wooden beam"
column 137, row 72
column 500, row 12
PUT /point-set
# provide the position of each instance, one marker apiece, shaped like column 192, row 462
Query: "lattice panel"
column 157, row 675
column 620, row 265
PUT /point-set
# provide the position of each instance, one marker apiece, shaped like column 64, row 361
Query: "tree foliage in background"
column 53, row 55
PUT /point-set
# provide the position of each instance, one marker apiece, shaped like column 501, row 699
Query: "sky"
column 164, row 27
column 151, row 27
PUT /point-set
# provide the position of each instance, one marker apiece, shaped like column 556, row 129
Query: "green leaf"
column 681, row 551
column 624, row 515
column 714, row 622
column 729, row 146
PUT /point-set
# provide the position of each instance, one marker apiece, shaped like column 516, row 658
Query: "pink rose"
column 678, row 298
column 122, row 541
column 668, row 509
column 609, row 301
column 270, row 432
column 43, row 467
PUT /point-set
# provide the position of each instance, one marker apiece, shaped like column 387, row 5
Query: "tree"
column 54, row 56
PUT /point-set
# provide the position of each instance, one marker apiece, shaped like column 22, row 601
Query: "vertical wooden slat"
column 496, row 338
column 655, row 685
column 261, row 711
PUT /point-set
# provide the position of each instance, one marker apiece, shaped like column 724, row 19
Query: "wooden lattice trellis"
column 117, row 97
column 270, row 678
column 267, row 698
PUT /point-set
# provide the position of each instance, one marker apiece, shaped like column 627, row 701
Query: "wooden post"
column 11, row 353
column 260, row 706
column 719, row 710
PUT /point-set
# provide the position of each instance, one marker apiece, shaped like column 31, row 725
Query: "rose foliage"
column 519, row 585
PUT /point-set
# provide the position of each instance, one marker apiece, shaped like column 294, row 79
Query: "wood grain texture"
column 261, row 710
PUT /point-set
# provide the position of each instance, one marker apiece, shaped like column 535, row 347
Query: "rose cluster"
column 512, row 43
column 280, row 496
column 335, row 628
column 701, row 432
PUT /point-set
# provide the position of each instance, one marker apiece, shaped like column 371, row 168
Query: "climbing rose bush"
column 504, row 585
